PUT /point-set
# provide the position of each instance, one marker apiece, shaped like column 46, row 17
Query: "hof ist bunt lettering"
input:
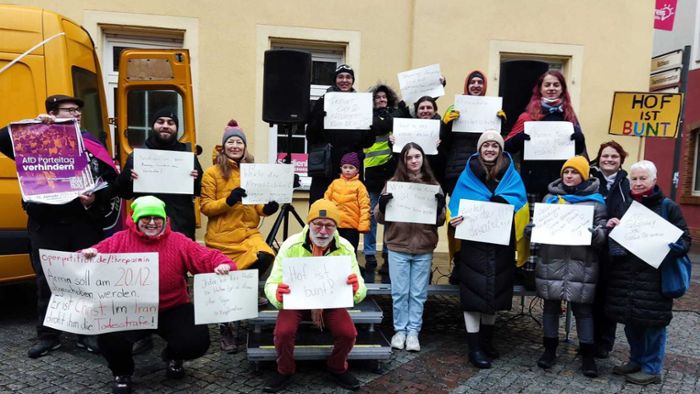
column 322, row 283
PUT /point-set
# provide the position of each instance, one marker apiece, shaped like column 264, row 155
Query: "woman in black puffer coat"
column 634, row 295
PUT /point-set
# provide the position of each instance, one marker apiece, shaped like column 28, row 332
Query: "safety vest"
column 379, row 153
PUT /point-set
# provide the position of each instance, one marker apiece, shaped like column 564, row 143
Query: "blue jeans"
column 409, row 289
column 647, row 347
column 369, row 247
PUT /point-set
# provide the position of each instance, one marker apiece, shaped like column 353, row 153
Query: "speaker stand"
column 283, row 217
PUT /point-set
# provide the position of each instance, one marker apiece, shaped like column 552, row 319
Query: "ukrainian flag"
column 511, row 188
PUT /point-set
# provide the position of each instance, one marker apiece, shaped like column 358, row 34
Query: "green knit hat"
column 147, row 206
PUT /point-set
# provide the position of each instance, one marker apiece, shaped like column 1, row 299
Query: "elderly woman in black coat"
column 634, row 295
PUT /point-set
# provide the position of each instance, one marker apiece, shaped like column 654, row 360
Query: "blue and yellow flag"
column 511, row 188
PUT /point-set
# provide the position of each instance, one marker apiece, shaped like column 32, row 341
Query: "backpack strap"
column 664, row 208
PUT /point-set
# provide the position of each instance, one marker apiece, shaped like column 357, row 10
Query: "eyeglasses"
column 149, row 219
column 72, row 110
column 318, row 227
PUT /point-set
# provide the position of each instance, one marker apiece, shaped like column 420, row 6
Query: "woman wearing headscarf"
column 634, row 295
column 486, row 270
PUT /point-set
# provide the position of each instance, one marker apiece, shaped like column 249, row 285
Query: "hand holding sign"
column 477, row 113
column 267, row 182
column 424, row 132
column 549, row 141
column 419, row 82
column 411, row 202
column 483, row 221
column 163, row 171
column 317, row 282
column 347, row 111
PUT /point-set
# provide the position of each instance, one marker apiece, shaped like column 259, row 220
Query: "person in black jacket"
column 179, row 207
column 615, row 188
column 634, row 295
column 65, row 227
column 342, row 141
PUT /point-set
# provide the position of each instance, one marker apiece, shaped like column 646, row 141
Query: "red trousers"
column 339, row 323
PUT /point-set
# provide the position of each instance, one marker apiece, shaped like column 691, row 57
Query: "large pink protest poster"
column 52, row 164
column 664, row 14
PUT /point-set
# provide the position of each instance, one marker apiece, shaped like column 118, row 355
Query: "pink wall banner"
column 665, row 14
column 52, row 163
column 299, row 160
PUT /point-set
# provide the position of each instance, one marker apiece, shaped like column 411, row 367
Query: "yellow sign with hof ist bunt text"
column 642, row 114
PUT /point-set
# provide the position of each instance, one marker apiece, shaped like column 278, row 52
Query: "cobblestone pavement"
column 440, row 367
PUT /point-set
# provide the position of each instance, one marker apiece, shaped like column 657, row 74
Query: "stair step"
column 366, row 312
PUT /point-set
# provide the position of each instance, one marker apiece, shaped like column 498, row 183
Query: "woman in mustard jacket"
column 232, row 226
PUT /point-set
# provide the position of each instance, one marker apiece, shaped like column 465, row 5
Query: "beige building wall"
column 604, row 46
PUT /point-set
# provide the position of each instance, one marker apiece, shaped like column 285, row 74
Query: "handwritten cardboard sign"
column 163, row 171
column 549, row 141
column 477, row 113
column 412, row 203
column 110, row 292
column 641, row 114
column 347, row 111
column 267, row 182
column 562, row 224
column 485, row 221
column 424, row 132
column 317, row 282
column 645, row 234
column 225, row 298
column 419, row 82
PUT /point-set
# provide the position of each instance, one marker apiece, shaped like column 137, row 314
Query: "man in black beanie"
column 178, row 207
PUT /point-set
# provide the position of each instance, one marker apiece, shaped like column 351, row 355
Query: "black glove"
column 498, row 199
column 440, row 202
column 270, row 208
column 677, row 249
column 526, row 137
column 527, row 232
column 297, row 181
column 576, row 136
column 236, row 195
column 383, row 200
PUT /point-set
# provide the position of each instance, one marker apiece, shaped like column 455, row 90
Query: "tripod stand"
column 287, row 208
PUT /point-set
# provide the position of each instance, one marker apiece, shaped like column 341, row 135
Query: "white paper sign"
column 477, row 113
column 645, row 234
column 225, row 298
column 163, row 171
column 424, row 132
column 549, row 141
column 562, row 224
column 412, row 203
column 419, row 82
column 317, row 282
column 110, row 292
column 347, row 111
column 267, row 182
column 485, row 221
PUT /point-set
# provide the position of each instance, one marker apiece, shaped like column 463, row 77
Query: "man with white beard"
column 319, row 238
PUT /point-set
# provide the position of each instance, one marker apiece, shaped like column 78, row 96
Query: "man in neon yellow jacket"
column 319, row 238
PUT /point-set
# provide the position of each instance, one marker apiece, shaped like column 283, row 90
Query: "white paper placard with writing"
column 419, row 82
column 562, row 224
column 225, row 298
column 110, row 292
column 424, row 132
column 412, row 203
column 477, row 113
column 645, row 234
column 317, row 282
column 163, row 171
column 549, row 141
column 267, row 182
column 485, row 221
column 347, row 111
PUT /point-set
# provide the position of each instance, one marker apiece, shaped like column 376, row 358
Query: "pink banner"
column 665, row 14
column 52, row 164
column 300, row 161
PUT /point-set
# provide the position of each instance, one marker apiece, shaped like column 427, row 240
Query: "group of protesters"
column 603, row 282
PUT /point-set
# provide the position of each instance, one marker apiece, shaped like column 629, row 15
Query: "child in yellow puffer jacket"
column 352, row 199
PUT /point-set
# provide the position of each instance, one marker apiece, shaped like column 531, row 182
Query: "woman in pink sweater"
column 150, row 232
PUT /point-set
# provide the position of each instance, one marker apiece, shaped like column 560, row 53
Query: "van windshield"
column 86, row 86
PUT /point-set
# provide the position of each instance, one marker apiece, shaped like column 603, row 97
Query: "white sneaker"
column 398, row 340
column 412, row 344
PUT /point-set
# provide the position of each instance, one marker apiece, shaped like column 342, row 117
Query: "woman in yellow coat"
column 232, row 226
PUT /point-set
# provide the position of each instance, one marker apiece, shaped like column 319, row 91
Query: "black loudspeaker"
column 286, row 86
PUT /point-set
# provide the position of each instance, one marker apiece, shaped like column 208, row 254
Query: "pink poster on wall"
column 664, row 14
column 52, row 163
column 299, row 160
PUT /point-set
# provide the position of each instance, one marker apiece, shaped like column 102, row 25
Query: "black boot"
column 486, row 337
column 384, row 270
column 588, row 366
column 370, row 268
column 476, row 357
column 550, row 352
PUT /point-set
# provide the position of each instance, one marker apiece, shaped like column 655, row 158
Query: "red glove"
column 282, row 288
column 352, row 280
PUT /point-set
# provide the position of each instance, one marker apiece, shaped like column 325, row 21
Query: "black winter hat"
column 165, row 113
column 344, row 68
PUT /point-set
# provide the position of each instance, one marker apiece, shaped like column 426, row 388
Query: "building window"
column 324, row 61
column 696, row 163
